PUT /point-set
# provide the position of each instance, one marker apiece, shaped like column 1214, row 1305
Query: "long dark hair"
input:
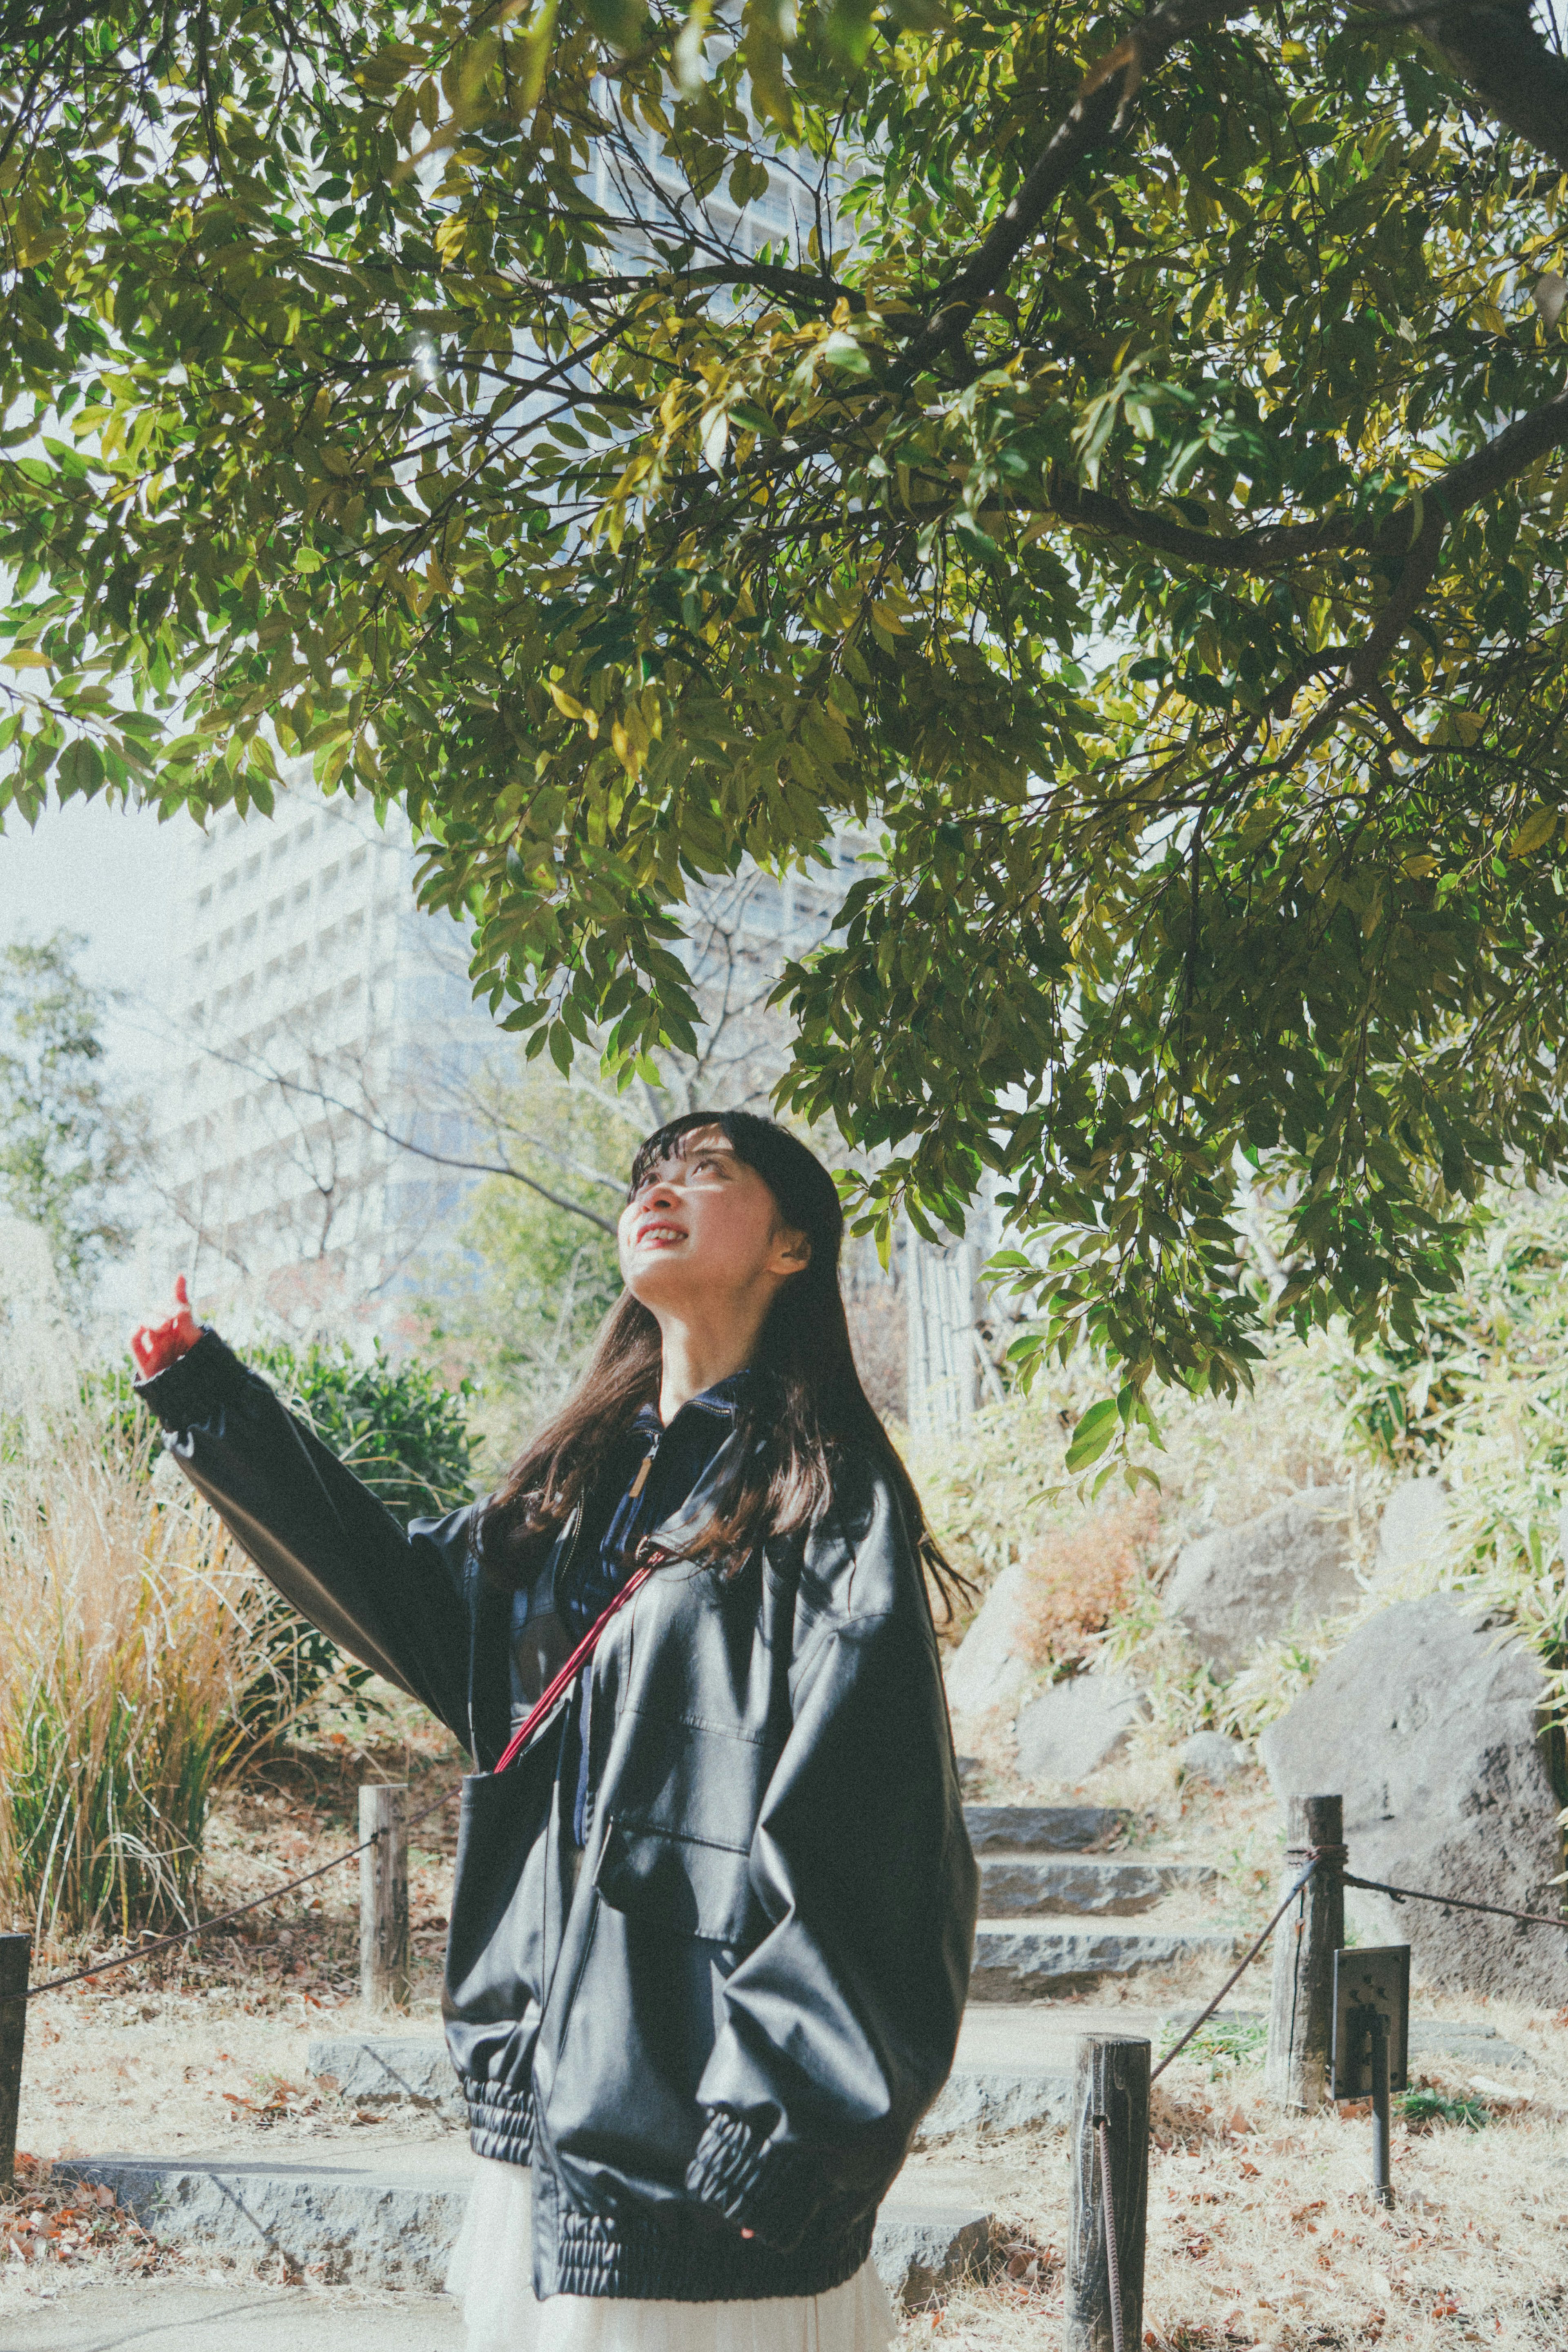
column 808, row 1412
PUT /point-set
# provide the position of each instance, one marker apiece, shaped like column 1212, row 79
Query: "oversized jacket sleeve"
column 392, row 1601
column 840, row 2025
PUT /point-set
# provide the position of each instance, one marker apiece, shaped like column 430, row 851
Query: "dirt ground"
column 1261, row 2232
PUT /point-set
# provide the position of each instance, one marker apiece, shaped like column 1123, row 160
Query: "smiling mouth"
column 660, row 1234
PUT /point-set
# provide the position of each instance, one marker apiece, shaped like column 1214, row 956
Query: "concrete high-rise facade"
column 321, row 1030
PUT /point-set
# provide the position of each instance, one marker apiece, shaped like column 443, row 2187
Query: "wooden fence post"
column 383, row 1898
column 16, row 1957
column 1300, row 2007
column 1111, row 2079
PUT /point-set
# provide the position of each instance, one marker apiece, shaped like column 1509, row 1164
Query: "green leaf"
column 1094, row 1433
column 619, row 22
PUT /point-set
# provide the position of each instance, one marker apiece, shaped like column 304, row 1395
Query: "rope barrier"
column 222, row 1918
column 1108, row 2207
column 1202, row 2019
column 1459, row 1901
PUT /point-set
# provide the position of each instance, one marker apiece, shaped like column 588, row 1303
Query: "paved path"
column 152, row 2316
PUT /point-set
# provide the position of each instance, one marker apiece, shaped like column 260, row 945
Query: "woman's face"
column 704, row 1229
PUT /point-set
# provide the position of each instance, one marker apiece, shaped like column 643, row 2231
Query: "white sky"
column 103, row 872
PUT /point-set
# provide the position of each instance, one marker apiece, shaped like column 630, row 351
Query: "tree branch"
column 1446, row 496
column 287, row 1085
column 1497, row 51
column 1099, row 113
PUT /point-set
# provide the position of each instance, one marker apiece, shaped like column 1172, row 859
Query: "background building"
column 320, row 1031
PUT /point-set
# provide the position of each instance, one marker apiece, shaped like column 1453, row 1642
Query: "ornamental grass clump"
column 134, row 1631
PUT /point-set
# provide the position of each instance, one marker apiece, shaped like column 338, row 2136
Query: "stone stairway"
column 1044, row 1868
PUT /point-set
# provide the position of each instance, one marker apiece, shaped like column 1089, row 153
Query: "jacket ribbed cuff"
column 500, row 2121
column 209, row 1373
column 767, row 2185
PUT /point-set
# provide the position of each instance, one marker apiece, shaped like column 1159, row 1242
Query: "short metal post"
column 1111, row 2082
column 16, row 1959
column 383, row 1898
column 1377, row 2031
column 1300, row 2009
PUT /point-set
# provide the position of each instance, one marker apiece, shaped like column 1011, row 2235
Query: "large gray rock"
column 1076, row 1725
column 988, row 1668
column 1426, row 1723
column 1241, row 1587
column 1209, row 1756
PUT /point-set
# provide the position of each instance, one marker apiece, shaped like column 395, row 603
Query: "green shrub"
column 405, row 1434
column 398, row 1427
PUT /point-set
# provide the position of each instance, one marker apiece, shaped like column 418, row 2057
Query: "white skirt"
column 492, row 2271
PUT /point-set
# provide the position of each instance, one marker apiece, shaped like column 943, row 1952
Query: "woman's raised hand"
column 156, row 1345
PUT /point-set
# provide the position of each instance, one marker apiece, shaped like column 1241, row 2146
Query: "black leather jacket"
column 735, row 2016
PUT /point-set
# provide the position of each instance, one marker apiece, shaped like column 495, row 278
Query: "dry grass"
column 207, row 2043
column 132, row 1641
column 1242, row 2252
column 1082, row 1577
column 49, row 2225
column 1264, row 2233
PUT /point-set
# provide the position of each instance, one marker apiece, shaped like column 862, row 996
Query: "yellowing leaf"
column 1538, row 827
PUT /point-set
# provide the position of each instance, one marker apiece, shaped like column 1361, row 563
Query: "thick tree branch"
column 1265, row 549
column 1497, row 51
column 1099, row 112
column 1442, row 500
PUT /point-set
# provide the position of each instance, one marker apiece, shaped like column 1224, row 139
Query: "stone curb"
column 350, row 2226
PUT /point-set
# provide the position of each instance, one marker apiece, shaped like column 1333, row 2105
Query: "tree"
column 531, row 1275
column 67, row 1138
column 1113, row 461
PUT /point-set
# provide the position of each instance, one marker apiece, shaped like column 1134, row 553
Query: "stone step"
column 1013, row 2071
column 1024, row 1885
column 1044, row 1829
column 995, row 2085
column 388, row 2216
column 1018, row 1960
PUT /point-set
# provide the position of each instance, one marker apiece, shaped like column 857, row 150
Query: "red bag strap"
column 563, row 1681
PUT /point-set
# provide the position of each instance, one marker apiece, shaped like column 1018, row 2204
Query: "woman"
column 711, row 1930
